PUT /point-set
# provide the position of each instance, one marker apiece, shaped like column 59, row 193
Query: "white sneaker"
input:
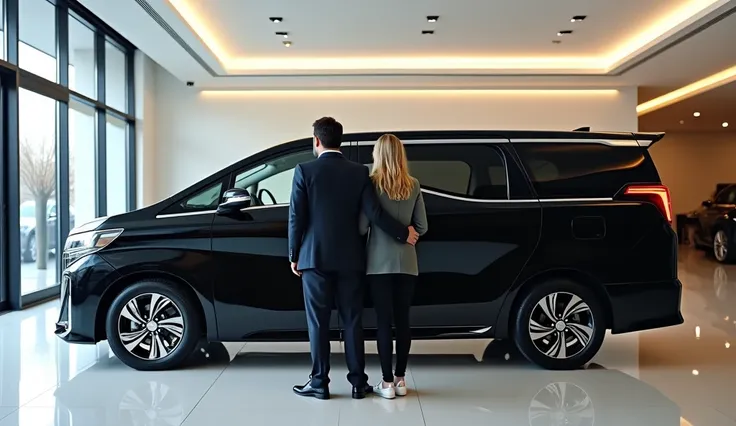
column 400, row 388
column 388, row 393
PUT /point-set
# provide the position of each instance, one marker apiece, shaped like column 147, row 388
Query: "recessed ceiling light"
column 283, row 34
column 682, row 121
column 725, row 124
column 696, row 114
column 432, row 18
column 564, row 32
column 287, row 44
column 578, row 18
column 276, row 19
column 425, row 32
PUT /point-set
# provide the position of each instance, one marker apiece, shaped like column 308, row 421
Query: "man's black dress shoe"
column 360, row 392
column 309, row 391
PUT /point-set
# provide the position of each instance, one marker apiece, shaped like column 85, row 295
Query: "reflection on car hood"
column 89, row 226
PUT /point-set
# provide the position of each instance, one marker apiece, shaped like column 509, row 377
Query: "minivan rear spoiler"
column 646, row 140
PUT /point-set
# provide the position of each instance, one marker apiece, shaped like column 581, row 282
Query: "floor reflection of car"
column 716, row 225
column 28, row 242
column 547, row 239
column 515, row 396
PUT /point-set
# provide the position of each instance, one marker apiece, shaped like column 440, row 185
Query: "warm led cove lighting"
column 711, row 82
column 677, row 19
column 406, row 92
column 696, row 114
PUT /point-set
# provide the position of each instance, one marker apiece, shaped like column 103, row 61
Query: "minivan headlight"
column 79, row 245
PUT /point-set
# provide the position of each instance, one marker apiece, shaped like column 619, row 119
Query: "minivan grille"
column 65, row 295
column 66, row 260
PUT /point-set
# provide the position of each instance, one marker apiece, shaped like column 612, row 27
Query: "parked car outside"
column 547, row 239
column 28, row 229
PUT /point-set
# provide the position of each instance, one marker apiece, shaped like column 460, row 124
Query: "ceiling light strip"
column 711, row 82
column 689, row 13
column 399, row 92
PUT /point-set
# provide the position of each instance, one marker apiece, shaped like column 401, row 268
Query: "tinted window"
column 270, row 182
column 207, row 199
column 727, row 196
column 450, row 176
column 581, row 170
column 468, row 170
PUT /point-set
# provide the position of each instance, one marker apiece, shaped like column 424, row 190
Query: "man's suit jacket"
column 327, row 197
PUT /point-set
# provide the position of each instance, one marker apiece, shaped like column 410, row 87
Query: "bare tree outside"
column 38, row 177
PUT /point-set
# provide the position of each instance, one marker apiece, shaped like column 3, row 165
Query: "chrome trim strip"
column 270, row 206
column 525, row 200
column 448, row 141
column 165, row 216
column 475, row 200
column 67, row 283
column 609, row 142
column 575, row 200
column 482, row 330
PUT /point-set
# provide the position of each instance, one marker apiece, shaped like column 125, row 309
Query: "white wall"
column 198, row 133
column 691, row 164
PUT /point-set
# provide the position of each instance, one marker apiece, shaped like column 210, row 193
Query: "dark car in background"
column 715, row 225
column 28, row 243
column 547, row 239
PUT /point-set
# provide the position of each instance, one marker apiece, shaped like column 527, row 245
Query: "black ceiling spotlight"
column 283, row 34
column 564, row 32
column 578, row 18
column 427, row 32
column 276, row 19
column 432, row 18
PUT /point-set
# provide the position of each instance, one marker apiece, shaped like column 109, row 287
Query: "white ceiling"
column 477, row 44
column 333, row 28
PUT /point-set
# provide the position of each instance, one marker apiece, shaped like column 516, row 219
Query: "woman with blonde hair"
column 391, row 266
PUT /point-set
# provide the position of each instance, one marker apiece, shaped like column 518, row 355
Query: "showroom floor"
column 677, row 376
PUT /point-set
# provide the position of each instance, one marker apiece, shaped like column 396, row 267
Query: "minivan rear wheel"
column 560, row 325
column 152, row 325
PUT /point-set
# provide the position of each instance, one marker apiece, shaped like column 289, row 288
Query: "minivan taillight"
column 658, row 195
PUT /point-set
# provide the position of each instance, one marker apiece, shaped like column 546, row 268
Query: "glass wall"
column 70, row 96
column 38, row 239
column 82, row 173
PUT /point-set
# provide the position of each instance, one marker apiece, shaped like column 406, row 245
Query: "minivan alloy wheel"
column 561, row 325
column 150, row 326
column 720, row 246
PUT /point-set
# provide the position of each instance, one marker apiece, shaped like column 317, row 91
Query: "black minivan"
column 544, row 238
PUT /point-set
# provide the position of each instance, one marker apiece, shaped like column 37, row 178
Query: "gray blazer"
column 385, row 254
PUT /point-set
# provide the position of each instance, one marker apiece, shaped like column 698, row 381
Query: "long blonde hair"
column 390, row 172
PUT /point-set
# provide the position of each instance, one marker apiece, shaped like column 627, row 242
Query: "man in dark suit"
column 328, row 252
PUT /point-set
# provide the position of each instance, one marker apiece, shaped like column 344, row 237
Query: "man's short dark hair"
column 329, row 132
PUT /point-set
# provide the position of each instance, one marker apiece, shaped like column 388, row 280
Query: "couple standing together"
column 335, row 202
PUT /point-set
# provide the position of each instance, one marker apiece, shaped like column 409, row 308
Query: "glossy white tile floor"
column 683, row 375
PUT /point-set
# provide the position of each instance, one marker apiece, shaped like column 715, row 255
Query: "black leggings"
column 392, row 295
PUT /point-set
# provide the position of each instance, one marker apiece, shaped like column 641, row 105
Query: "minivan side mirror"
column 707, row 203
column 234, row 200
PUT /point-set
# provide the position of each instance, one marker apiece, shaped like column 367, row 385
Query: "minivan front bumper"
column 82, row 284
column 643, row 306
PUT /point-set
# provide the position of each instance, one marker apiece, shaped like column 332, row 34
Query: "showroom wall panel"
column 199, row 133
column 691, row 164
